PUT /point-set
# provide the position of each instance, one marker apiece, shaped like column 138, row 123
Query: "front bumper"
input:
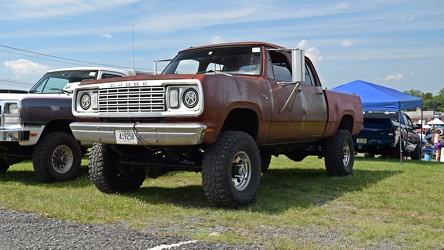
column 150, row 134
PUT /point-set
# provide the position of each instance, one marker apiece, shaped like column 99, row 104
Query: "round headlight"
column 12, row 108
column 85, row 101
column 190, row 98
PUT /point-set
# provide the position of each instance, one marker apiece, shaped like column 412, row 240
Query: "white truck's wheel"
column 57, row 157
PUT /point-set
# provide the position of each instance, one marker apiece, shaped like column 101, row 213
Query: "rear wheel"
column 57, row 157
column 231, row 170
column 339, row 153
column 108, row 175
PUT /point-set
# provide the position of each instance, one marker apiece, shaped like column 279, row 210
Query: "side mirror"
column 157, row 61
column 297, row 65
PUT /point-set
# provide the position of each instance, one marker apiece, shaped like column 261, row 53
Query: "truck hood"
column 20, row 96
column 159, row 77
column 6, row 96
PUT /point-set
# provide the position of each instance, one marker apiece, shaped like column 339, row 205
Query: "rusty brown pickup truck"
column 223, row 110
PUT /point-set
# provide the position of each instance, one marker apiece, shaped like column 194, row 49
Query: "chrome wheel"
column 231, row 170
column 241, row 171
column 62, row 159
column 346, row 154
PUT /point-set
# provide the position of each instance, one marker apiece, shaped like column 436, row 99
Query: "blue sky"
column 395, row 43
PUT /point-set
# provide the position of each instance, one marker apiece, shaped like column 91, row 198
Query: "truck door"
column 314, row 106
column 299, row 110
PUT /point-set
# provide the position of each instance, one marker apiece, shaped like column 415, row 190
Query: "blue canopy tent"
column 378, row 98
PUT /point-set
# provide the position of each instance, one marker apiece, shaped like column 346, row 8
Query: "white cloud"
column 310, row 51
column 107, row 36
column 22, row 68
column 26, row 9
column 347, row 43
column 177, row 20
column 217, row 39
column 407, row 18
column 139, row 59
column 394, row 77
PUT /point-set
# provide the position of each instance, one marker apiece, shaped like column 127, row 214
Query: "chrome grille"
column 132, row 99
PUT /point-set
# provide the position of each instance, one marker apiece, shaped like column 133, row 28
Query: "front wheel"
column 108, row 175
column 231, row 170
column 57, row 157
column 3, row 165
column 339, row 153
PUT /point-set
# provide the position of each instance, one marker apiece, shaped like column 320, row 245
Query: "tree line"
column 430, row 102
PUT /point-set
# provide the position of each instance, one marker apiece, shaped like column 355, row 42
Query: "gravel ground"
column 30, row 231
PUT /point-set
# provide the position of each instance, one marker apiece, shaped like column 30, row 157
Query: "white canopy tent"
column 435, row 121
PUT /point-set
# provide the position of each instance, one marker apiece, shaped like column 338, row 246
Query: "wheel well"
column 58, row 126
column 347, row 123
column 242, row 120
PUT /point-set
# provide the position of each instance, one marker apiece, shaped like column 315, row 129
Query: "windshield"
column 243, row 60
column 55, row 82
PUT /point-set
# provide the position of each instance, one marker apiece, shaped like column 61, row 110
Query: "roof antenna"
column 9, row 78
column 132, row 28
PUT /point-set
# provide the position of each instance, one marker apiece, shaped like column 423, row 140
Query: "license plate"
column 361, row 140
column 126, row 137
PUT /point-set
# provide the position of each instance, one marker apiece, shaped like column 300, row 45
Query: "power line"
column 15, row 53
column 21, row 84
column 14, row 81
column 64, row 58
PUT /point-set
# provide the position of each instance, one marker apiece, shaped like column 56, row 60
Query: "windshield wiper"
column 213, row 71
column 60, row 90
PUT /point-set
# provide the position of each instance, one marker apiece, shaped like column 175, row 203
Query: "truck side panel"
column 341, row 107
column 37, row 112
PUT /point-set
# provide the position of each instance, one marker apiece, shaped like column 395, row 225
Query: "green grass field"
column 383, row 204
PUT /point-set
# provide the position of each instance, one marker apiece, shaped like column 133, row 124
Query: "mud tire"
column 57, row 157
column 339, row 153
column 231, row 170
column 108, row 175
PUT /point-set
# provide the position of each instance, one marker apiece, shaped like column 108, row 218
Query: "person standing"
column 436, row 144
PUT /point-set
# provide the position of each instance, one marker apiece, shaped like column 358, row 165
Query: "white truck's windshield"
column 55, row 82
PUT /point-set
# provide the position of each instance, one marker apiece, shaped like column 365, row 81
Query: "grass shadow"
column 283, row 189
column 190, row 196
column 26, row 176
column 279, row 190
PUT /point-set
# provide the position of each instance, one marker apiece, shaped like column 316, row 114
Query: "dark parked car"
column 381, row 134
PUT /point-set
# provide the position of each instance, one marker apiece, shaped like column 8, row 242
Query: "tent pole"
column 400, row 135
column 422, row 121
